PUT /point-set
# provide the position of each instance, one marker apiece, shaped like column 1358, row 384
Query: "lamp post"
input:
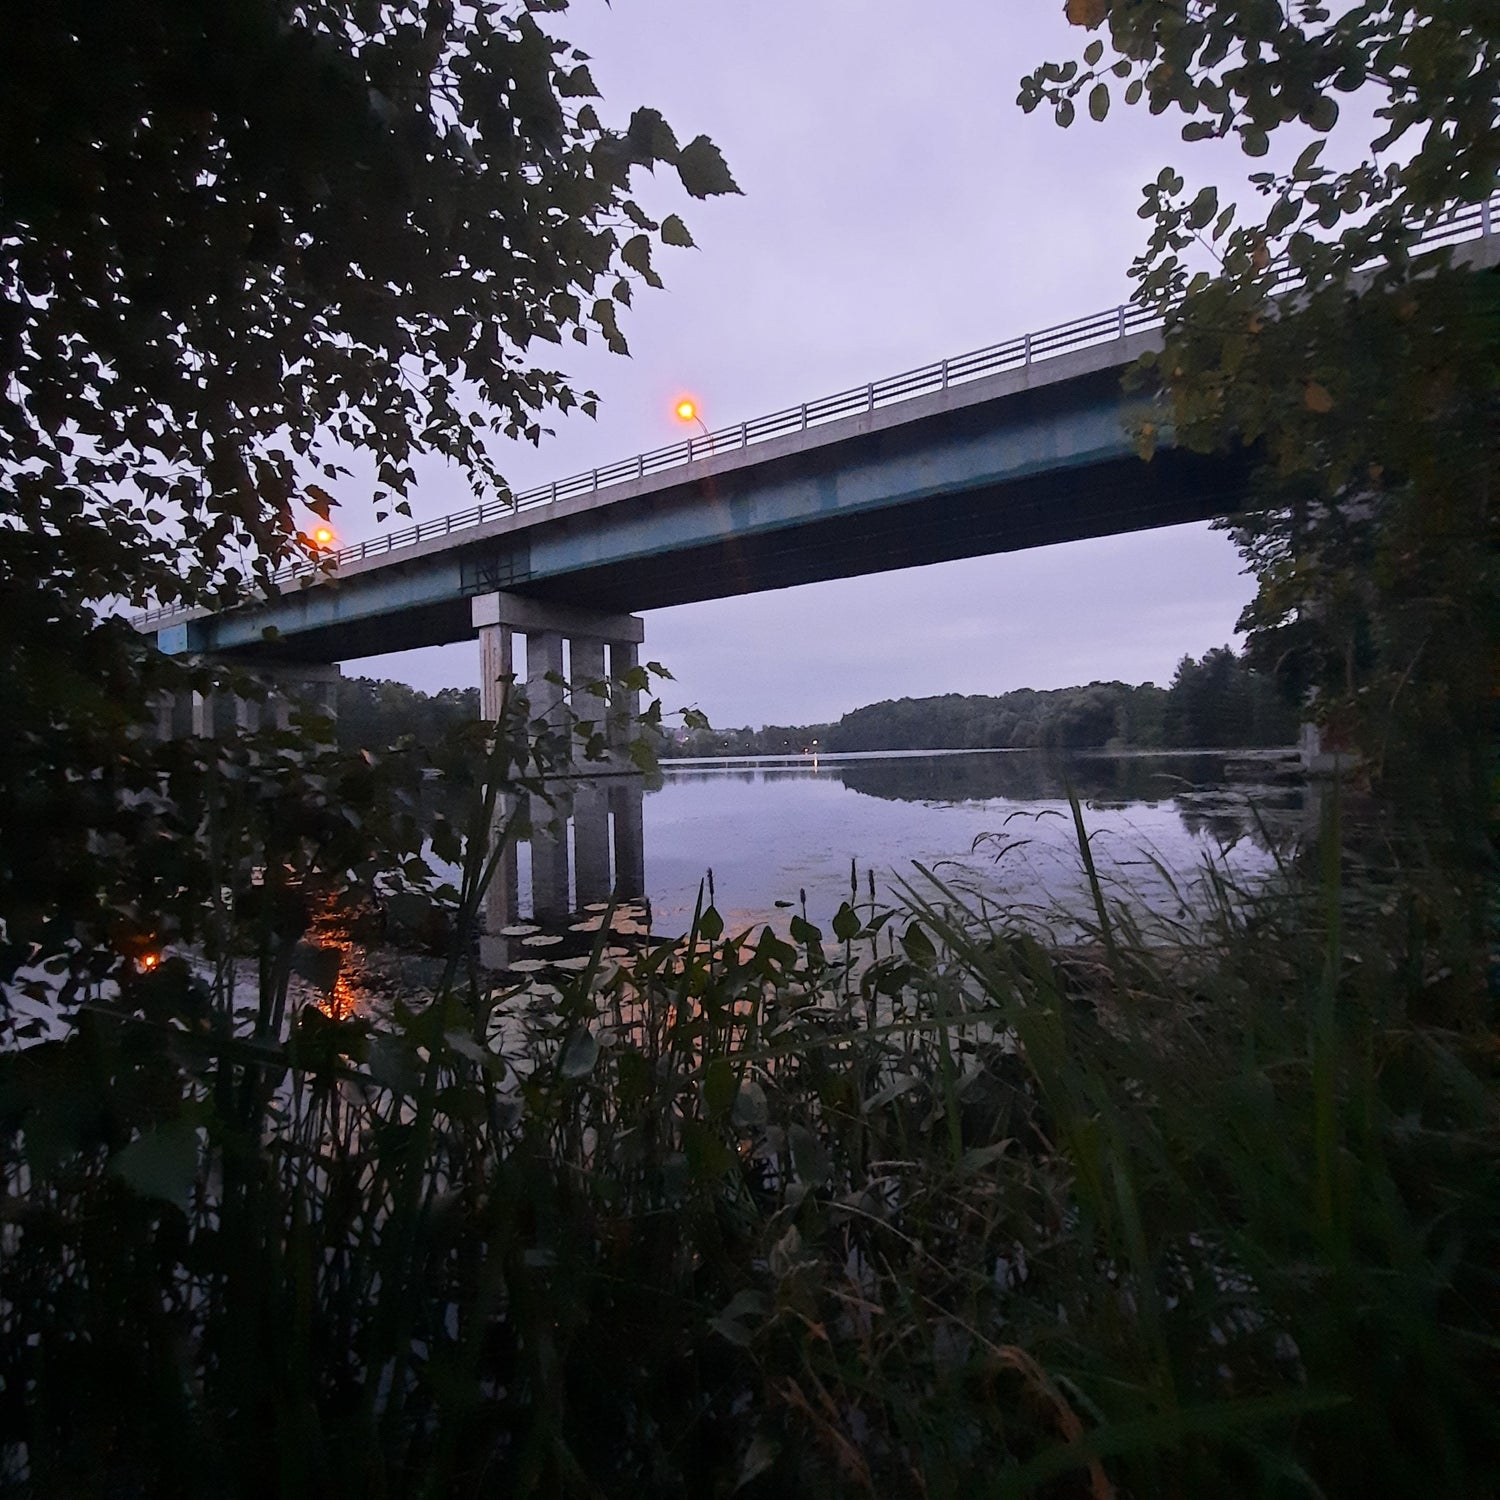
column 687, row 411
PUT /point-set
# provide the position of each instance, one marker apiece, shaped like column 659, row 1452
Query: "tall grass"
column 924, row 1205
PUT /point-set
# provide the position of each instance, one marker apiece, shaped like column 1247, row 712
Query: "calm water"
column 995, row 822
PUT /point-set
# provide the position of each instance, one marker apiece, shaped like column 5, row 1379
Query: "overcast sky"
column 898, row 207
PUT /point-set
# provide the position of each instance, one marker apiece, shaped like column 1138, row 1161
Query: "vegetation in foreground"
column 975, row 1217
column 915, row 1205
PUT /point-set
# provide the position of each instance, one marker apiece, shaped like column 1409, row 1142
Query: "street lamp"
column 686, row 410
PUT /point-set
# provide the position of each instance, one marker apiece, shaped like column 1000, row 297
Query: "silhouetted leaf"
column 162, row 1163
column 675, row 232
column 702, row 169
column 579, row 1054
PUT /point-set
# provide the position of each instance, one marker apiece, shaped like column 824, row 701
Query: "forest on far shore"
column 1217, row 701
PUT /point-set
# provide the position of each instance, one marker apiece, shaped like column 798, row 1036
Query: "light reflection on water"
column 332, row 927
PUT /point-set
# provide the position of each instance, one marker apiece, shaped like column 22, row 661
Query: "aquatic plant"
column 921, row 1204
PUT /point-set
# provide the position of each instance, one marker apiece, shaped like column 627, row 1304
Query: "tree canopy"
column 239, row 242
column 1218, row 702
column 239, row 239
column 1369, row 391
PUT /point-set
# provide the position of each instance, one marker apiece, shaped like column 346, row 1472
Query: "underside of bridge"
column 1021, row 468
column 1120, row 496
column 1125, row 495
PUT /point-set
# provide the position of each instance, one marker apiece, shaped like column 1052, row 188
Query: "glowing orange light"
column 687, row 411
column 323, row 536
column 149, row 961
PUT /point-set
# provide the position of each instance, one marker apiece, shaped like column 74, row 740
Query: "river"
column 996, row 823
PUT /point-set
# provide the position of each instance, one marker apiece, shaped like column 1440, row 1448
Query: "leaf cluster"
column 237, row 240
column 1363, row 375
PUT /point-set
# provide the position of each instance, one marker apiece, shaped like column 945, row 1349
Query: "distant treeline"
column 1216, row 702
column 374, row 715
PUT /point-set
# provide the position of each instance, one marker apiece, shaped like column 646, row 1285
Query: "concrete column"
column 496, row 669
column 246, row 715
column 550, row 896
column 202, row 714
column 625, row 797
column 625, row 703
column 502, row 900
column 311, row 687
column 585, row 669
column 276, row 711
column 544, row 657
column 591, row 840
column 163, row 710
column 545, row 626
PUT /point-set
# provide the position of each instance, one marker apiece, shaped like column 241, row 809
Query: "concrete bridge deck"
column 1020, row 445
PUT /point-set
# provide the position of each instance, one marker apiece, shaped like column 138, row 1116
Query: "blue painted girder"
column 967, row 474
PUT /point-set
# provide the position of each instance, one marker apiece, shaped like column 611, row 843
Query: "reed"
column 927, row 1205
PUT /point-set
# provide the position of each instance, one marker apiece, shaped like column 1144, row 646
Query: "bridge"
column 1022, row 444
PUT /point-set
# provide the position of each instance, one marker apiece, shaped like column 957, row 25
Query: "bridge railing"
column 1473, row 221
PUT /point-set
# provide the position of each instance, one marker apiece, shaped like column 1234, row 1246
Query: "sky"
column 897, row 208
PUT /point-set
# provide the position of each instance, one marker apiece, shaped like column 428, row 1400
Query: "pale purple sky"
column 898, row 207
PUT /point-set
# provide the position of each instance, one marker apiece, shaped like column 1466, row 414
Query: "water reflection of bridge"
column 587, row 847
column 586, row 844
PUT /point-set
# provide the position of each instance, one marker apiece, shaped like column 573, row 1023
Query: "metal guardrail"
column 1474, row 221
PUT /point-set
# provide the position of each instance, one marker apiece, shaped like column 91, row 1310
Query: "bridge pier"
column 289, row 685
column 598, row 646
column 177, row 716
column 587, row 841
column 196, row 714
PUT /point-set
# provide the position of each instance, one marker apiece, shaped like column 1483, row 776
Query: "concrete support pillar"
column 202, row 715
column 586, row 837
column 585, row 670
column 311, row 687
column 183, row 714
column 551, row 894
column 496, row 669
column 163, row 710
column 591, row 840
column 246, row 714
column 544, row 659
column 545, row 627
column 625, row 797
column 307, row 687
column 625, row 704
